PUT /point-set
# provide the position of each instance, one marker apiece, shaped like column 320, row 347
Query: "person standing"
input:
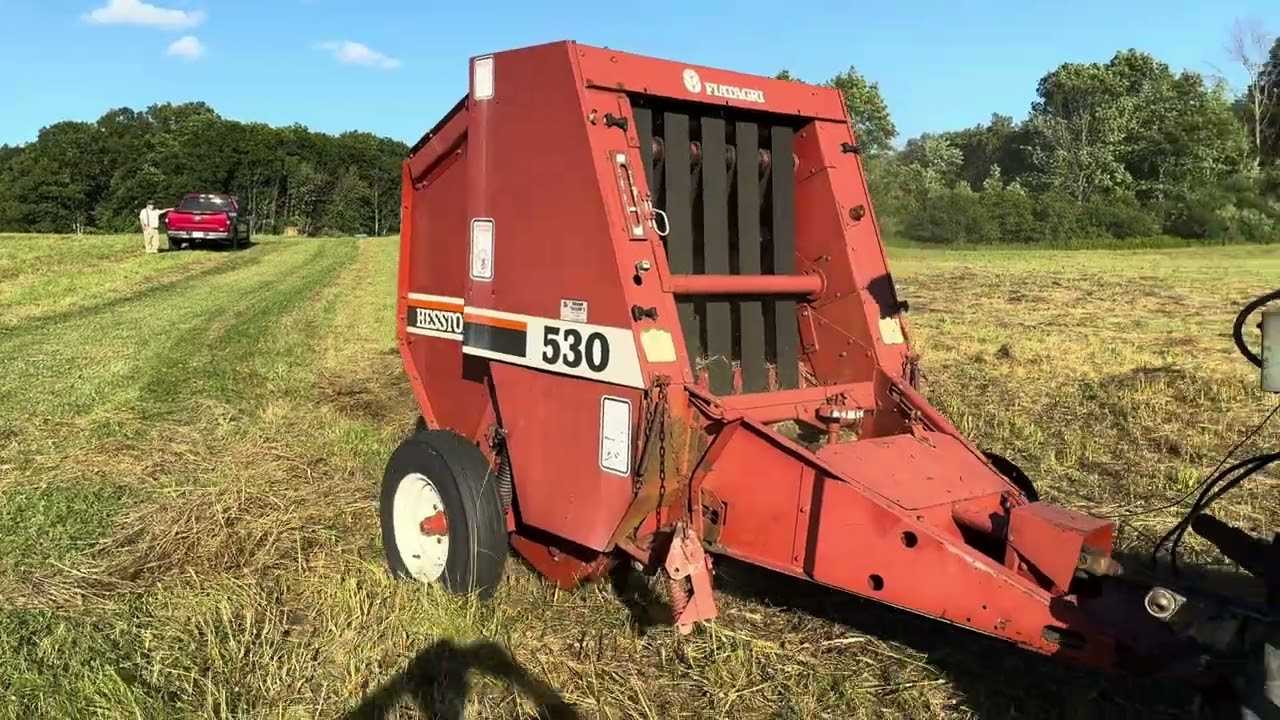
column 150, row 219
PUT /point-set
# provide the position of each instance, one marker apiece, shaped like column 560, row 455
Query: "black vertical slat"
column 644, row 131
column 679, row 209
column 786, row 331
column 715, row 238
column 755, row 378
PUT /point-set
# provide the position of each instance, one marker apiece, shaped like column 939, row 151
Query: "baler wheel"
column 442, row 519
column 1014, row 474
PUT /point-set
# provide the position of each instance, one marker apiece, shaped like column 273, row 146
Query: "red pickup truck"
column 206, row 217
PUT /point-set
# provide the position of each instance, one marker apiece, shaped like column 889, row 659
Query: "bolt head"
column 1161, row 603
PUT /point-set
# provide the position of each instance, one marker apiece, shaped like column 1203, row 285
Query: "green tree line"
column 82, row 176
column 1123, row 150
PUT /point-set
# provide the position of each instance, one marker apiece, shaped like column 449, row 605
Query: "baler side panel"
column 857, row 324
column 450, row 388
column 555, row 454
column 403, row 337
column 545, row 176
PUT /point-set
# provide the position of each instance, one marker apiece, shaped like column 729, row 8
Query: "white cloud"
column 187, row 47
column 354, row 53
column 136, row 12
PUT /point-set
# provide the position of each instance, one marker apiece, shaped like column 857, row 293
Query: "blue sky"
column 394, row 66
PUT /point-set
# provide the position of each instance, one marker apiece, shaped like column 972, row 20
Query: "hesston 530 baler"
column 646, row 313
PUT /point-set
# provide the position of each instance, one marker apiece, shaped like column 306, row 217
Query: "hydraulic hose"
column 1237, row 330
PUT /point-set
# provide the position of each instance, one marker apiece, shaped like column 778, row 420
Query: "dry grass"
column 189, row 467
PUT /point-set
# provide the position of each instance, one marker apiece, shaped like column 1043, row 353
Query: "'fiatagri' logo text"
column 694, row 84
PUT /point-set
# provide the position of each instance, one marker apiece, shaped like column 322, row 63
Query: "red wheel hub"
column 436, row 524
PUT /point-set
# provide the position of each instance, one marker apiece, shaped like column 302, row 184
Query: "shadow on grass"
column 996, row 679
column 437, row 683
column 645, row 608
column 215, row 246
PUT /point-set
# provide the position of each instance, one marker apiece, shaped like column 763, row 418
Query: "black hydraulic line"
column 1258, row 464
column 1239, row 546
column 1219, row 485
column 1221, row 480
column 1237, row 329
column 1200, row 485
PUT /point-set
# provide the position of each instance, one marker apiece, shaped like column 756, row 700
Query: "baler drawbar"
column 646, row 313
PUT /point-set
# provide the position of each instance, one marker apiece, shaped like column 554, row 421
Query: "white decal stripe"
column 571, row 341
column 569, row 344
column 434, row 333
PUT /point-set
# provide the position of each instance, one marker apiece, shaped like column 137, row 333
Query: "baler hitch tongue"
column 681, row 357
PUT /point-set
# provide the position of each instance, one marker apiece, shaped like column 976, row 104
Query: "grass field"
column 191, row 445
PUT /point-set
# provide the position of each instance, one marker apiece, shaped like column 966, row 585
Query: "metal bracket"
column 695, row 602
column 808, row 331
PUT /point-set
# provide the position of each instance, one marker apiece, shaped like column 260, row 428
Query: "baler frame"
column 711, row 296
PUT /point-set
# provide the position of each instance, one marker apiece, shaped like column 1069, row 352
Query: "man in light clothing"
column 150, row 219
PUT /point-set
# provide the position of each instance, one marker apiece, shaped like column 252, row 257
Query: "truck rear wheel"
column 442, row 518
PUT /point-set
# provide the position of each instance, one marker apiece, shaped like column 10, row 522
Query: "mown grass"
column 191, row 444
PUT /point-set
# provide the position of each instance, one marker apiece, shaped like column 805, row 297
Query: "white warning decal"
column 573, row 310
column 482, row 249
column 615, row 435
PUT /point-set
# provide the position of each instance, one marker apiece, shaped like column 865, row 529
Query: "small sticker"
column 891, row 331
column 482, row 249
column 658, row 345
column 615, row 435
column 573, row 310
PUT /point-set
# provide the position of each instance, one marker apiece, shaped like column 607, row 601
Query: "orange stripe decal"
column 435, row 305
column 495, row 322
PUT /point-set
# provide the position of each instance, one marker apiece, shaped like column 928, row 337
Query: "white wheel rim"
column 417, row 514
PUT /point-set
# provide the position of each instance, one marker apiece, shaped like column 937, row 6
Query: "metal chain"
column 662, row 442
column 642, row 461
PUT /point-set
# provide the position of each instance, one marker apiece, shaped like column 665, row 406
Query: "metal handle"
column 654, row 214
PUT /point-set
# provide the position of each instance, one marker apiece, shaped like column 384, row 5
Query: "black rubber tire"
column 477, row 525
column 1015, row 475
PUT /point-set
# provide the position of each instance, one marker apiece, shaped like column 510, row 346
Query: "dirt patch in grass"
column 375, row 391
